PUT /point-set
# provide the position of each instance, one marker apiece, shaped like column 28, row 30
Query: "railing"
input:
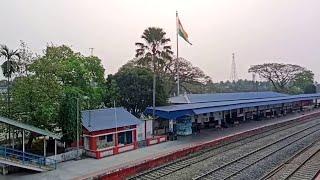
column 27, row 158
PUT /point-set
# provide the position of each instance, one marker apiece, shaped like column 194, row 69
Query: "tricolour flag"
column 181, row 31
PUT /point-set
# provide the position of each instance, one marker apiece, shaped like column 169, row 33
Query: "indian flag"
column 181, row 31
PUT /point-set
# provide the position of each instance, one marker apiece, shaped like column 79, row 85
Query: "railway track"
column 245, row 160
column 253, row 143
column 302, row 165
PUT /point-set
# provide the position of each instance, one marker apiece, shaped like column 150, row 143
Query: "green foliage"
column 37, row 100
column 309, row 89
column 68, row 114
column 280, row 75
column 112, row 94
column 304, row 82
column 155, row 46
column 135, row 89
column 10, row 65
column 238, row 86
column 46, row 98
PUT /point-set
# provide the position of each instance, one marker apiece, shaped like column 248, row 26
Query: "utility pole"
column 154, row 89
column 233, row 74
column 177, row 61
column 78, row 109
column 91, row 51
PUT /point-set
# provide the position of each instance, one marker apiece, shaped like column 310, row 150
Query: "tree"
column 112, row 92
column 37, row 101
column 192, row 79
column 26, row 58
column 154, row 51
column 305, row 82
column 155, row 46
column 135, row 89
column 68, row 114
column 80, row 77
column 280, row 75
column 9, row 67
column 55, row 80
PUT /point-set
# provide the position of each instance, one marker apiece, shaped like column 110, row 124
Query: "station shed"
column 191, row 112
column 109, row 131
column 12, row 156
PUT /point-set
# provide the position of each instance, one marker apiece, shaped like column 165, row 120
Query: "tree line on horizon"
column 42, row 89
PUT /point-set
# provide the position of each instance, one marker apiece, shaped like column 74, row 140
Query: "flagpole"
column 177, row 60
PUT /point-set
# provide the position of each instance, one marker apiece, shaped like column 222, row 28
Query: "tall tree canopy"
column 280, row 75
column 56, row 79
column 134, row 85
column 155, row 45
column 191, row 78
column 304, row 82
column 9, row 67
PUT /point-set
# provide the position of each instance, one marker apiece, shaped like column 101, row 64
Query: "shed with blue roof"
column 221, row 109
column 109, row 131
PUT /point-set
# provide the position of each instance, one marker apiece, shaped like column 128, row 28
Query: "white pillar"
column 12, row 138
column 55, row 149
column 23, row 148
column 44, row 146
column 171, row 125
column 230, row 114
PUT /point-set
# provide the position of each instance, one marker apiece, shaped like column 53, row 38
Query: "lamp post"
column 78, row 120
column 78, row 109
column 77, row 124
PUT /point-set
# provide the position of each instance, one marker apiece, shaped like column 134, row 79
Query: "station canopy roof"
column 216, row 97
column 181, row 110
column 29, row 127
column 109, row 118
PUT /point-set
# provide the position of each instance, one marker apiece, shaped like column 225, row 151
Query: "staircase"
column 25, row 160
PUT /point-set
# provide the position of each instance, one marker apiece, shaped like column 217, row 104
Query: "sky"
column 257, row 31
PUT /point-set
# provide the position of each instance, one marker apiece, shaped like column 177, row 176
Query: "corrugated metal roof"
column 29, row 127
column 175, row 111
column 100, row 119
column 216, row 97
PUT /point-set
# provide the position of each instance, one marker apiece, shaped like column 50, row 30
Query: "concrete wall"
column 67, row 155
column 141, row 130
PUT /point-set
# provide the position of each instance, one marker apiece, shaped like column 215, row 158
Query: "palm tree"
column 154, row 52
column 9, row 67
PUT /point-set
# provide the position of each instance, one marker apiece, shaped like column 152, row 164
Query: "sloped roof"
column 29, row 127
column 216, row 97
column 100, row 119
column 176, row 111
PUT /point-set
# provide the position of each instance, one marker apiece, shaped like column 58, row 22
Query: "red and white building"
column 109, row 131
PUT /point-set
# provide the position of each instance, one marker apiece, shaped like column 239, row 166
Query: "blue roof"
column 177, row 111
column 100, row 119
column 199, row 98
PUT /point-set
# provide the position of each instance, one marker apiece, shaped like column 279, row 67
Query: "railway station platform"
column 88, row 168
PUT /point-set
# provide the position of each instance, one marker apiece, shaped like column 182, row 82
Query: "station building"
column 191, row 112
column 109, row 131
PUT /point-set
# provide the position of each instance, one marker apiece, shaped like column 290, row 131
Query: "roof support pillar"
column 23, row 148
column 171, row 125
column 55, row 149
column 13, row 138
column 44, row 146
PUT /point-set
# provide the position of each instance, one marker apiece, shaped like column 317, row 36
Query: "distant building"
column 109, row 131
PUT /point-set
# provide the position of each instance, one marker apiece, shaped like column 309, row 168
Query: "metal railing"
column 28, row 159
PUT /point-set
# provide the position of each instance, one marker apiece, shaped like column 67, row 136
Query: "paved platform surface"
column 76, row 169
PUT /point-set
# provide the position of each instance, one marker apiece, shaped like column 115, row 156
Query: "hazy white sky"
column 257, row 31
